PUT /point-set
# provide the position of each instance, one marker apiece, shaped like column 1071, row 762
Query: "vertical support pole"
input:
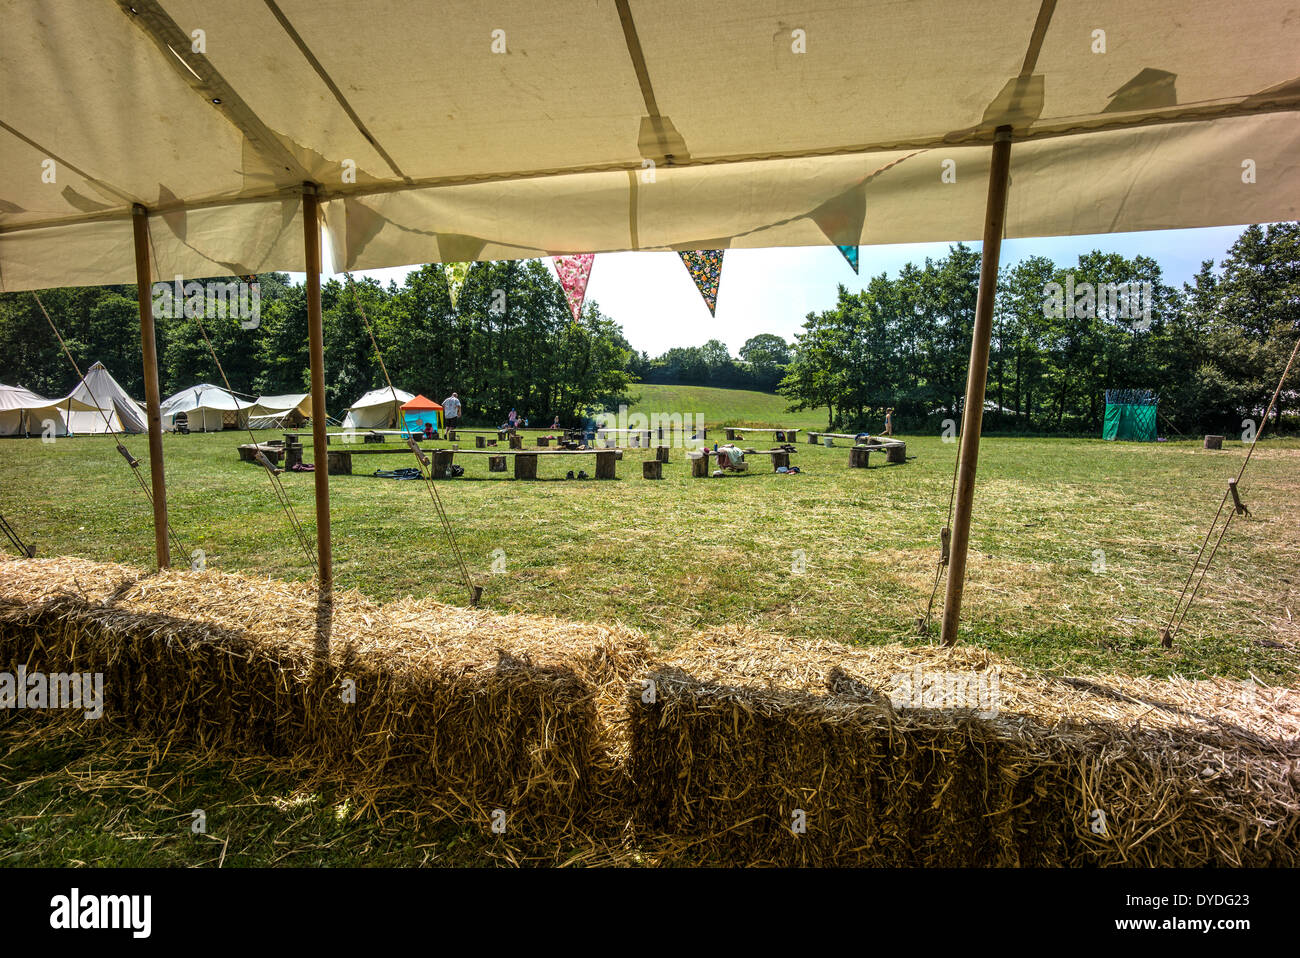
column 316, row 338
column 977, row 379
column 149, row 357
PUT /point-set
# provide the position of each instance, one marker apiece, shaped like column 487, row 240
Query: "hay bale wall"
column 458, row 712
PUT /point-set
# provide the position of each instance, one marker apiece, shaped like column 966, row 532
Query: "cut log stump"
column 338, row 463
column 661, row 453
column 1213, row 442
column 526, row 466
column 652, row 469
column 859, row 457
column 496, row 463
column 896, row 452
column 480, row 442
column 605, row 465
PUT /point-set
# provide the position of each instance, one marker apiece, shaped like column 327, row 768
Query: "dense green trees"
column 1214, row 350
column 511, row 342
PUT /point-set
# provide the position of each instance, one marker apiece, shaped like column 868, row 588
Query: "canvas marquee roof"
column 461, row 153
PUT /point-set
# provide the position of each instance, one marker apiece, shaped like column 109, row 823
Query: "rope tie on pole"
column 108, row 424
column 1184, row 603
column 945, row 543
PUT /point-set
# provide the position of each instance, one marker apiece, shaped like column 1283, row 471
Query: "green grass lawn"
column 1079, row 548
column 724, row 407
column 679, row 555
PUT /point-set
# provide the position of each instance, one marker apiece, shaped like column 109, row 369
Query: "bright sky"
column 771, row 290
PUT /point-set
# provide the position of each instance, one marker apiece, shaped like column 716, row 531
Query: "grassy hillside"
column 721, row 407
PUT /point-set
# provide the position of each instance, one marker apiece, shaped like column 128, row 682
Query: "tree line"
column 510, row 342
column 1062, row 335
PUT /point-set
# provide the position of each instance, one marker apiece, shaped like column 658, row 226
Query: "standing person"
column 889, row 421
column 513, row 420
column 451, row 411
column 556, row 424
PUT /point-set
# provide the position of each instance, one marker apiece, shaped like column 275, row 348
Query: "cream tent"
column 490, row 129
column 274, row 412
column 208, row 408
column 376, row 409
column 99, row 390
column 22, row 412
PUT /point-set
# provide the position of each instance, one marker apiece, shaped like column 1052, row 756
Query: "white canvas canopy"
column 209, row 409
column 493, row 129
column 23, row 412
column 273, row 412
column 101, row 391
column 376, row 409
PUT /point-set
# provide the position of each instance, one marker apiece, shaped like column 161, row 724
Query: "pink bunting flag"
column 705, row 267
column 574, row 272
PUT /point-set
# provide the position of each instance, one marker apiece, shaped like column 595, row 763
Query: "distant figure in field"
column 889, row 421
column 556, row 424
column 451, row 411
column 512, row 421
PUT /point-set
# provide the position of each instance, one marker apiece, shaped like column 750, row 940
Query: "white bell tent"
column 377, row 409
column 112, row 409
column 208, row 408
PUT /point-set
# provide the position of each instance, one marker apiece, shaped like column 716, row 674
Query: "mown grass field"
column 1079, row 550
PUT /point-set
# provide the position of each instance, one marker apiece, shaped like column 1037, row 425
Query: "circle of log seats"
column 480, row 442
column 496, row 463
column 652, row 469
column 896, row 452
column 526, row 466
column 1213, row 442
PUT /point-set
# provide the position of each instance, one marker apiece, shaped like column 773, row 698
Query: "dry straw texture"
column 459, row 712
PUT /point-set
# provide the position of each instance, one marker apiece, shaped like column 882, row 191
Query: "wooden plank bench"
column 273, row 451
column 699, row 460
column 895, row 451
column 782, row 435
column 526, row 459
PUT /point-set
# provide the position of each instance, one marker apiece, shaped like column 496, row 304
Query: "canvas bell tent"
column 377, row 409
column 418, row 412
column 280, row 412
column 1131, row 415
column 112, row 410
column 24, row 413
column 207, row 408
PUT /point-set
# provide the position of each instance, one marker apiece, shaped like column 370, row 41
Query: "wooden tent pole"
column 977, row 378
column 149, row 355
column 316, row 337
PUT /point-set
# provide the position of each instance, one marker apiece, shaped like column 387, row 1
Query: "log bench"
column 339, row 462
column 782, row 435
column 699, row 460
column 273, row 451
column 895, row 452
column 1213, row 442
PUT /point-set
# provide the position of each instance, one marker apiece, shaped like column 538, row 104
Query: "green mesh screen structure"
column 1130, row 414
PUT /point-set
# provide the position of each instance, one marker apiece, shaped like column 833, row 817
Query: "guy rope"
column 475, row 591
column 126, row 454
column 1238, row 508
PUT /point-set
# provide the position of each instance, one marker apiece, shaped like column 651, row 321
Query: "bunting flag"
column 705, row 267
column 574, row 271
column 456, row 273
column 850, row 254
